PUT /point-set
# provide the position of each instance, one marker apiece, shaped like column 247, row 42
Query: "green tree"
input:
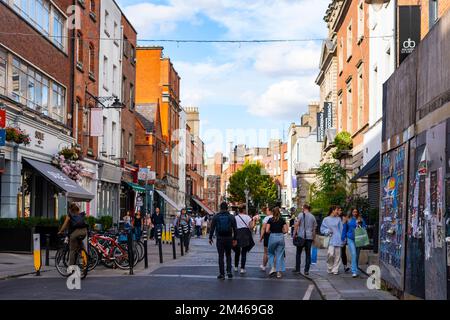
column 330, row 188
column 261, row 186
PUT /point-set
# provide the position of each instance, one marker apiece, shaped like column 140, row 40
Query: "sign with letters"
column 320, row 127
column 328, row 115
column 409, row 31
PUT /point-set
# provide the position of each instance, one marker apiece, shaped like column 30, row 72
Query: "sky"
column 246, row 93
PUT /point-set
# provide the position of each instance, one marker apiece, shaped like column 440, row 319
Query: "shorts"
column 266, row 240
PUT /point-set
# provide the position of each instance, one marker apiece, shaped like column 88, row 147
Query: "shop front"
column 108, row 191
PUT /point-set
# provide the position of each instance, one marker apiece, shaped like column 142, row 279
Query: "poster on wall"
column 392, row 218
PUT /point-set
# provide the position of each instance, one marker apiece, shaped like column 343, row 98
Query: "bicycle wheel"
column 121, row 257
column 141, row 248
column 93, row 258
column 61, row 261
column 83, row 262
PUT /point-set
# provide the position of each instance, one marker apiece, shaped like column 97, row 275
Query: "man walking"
column 305, row 229
column 198, row 225
column 158, row 223
column 224, row 225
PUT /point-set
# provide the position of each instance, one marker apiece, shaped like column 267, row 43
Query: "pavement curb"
column 326, row 290
column 13, row 276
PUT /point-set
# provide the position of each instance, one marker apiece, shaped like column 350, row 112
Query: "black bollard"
column 160, row 246
column 130, row 251
column 145, row 250
column 172, row 230
column 180, row 232
column 47, row 249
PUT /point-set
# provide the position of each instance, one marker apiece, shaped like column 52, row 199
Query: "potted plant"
column 17, row 135
column 343, row 143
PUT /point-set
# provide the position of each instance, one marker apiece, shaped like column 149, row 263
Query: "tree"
column 330, row 188
column 261, row 186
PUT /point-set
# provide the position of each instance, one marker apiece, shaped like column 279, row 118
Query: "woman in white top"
column 244, row 225
column 265, row 236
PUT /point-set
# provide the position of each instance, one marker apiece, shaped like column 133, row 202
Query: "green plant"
column 17, row 135
column 72, row 154
column 28, row 223
column 106, row 222
column 343, row 142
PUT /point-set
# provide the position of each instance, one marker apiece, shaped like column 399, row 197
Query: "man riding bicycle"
column 75, row 222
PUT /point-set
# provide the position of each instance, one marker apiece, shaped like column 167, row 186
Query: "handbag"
column 251, row 242
column 361, row 237
column 298, row 241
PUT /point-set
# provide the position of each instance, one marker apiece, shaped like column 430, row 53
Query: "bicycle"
column 112, row 253
column 82, row 259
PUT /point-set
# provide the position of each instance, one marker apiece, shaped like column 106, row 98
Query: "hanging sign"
column 2, row 137
column 2, row 118
column 409, row 30
column 96, row 122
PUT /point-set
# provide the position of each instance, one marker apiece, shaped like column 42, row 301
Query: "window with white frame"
column 105, row 72
column 57, row 102
column 3, row 71
column 360, row 20
column 360, row 96
column 349, row 41
column 106, row 22
column 114, row 81
column 340, row 115
column 113, row 134
column 349, row 107
column 58, row 30
column 105, row 134
column 341, row 54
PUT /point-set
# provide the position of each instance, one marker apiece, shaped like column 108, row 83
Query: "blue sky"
column 242, row 90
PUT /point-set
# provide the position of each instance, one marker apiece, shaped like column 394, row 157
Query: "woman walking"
column 348, row 233
column 265, row 237
column 244, row 225
column 344, row 218
column 332, row 227
column 137, row 224
column 277, row 227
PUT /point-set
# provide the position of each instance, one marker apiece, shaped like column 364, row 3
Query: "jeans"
column 344, row 255
column 186, row 240
column 224, row 246
column 298, row 255
column 276, row 251
column 242, row 252
column 198, row 231
column 354, row 252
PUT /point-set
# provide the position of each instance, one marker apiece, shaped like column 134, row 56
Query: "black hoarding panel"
column 408, row 30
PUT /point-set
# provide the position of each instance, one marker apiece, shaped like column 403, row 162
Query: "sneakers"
column 235, row 269
column 272, row 271
column 243, row 271
column 262, row 268
column 221, row 277
column 335, row 273
column 306, row 273
column 230, row 275
column 346, row 269
column 354, row 275
column 279, row 275
column 295, row 271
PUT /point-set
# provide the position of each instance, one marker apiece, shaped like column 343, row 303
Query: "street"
column 191, row 277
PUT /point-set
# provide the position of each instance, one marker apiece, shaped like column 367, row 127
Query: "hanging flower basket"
column 18, row 136
column 67, row 161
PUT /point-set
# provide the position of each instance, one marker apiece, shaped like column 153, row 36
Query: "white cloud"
column 286, row 99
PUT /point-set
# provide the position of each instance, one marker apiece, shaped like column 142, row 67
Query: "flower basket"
column 18, row 136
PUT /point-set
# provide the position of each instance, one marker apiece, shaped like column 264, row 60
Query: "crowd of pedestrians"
column 235, row 233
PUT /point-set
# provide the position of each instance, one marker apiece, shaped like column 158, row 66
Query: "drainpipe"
column 72, row 83
column 396, row 45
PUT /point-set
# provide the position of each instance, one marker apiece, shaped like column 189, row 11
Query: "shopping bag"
column 317, row 241
column 361, row 237
column 326, row 242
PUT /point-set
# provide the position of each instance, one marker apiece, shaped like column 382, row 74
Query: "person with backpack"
column 77, row 227
column 245, row 243
column 223, row 224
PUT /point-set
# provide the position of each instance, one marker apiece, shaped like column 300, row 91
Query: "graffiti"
column 391, row 224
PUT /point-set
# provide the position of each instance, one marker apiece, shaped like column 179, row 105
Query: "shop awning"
column 74, row 191
column 373, row 166
column 135, row 187
column 204, row 206
column 168, row 200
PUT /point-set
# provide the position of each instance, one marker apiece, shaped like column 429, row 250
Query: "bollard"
column 37, row 253
column 47, row 250
column 172, row 230
column 130, row 251
column 180, row 232
column 145, row 249
column 160, row 246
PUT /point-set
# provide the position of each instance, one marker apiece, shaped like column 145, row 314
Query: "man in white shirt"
column 198, row 225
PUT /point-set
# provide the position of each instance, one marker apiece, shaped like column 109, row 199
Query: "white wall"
column 308, row 153
column 182, row 160
column 110, row 82
column 382, row 65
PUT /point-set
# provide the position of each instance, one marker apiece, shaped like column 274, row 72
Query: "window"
column 341, row 55
column 340, row 115
column 349, row 41
column 132, row 54
column 79, row 49
column 116, row 34
column 91, row 60
column 360, row 21
column 349, row 107
column 92, row 6
column 3, row 71
column 124, row 81
column 434, row 12
column 36, row 12
column 106, row 23
column 130, row 147
column 360, row 96
column 114, row 81
column 113, row 135
column 105, row 134
column 58, row 30
column 131, row 96
column 57, row 102
column 105, row 73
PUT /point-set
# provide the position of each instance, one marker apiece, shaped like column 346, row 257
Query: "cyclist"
column 75, row 222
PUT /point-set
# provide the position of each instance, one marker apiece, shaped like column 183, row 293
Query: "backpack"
column 78, row 221
column 223, row 225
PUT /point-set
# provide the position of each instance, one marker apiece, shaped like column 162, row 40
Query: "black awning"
column 373, row 166
column 74, row 191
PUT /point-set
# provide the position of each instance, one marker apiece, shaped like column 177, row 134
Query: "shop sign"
column 320, row 127
column 2, row 118
column 139, row 201
column 2, row 137
column 409, row 30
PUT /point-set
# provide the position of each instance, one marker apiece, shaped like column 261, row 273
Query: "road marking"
column 214, row 277
column 308, row 292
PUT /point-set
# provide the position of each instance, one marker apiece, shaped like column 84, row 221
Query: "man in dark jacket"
column 224, row 225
